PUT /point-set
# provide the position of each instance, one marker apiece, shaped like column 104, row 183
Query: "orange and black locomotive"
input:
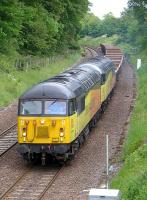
column 56, row 115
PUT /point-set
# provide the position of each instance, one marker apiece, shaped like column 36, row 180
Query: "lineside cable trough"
column 105, row 194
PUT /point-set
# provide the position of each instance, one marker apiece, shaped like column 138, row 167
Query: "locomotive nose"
column 44, row 130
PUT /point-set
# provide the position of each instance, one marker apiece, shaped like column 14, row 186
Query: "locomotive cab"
column 46, row 121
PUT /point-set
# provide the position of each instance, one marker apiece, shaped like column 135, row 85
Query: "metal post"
column 107, row 161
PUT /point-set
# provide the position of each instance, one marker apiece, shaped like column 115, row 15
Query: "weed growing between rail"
column 132, row 179
column 13, row 82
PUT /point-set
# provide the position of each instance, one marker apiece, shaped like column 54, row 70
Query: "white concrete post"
column 138, row 63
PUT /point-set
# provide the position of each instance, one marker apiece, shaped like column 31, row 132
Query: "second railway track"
column 33, row 183
column 8, row 139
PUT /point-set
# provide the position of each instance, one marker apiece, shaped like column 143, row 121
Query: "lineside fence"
column 34, row 63
column 24, row 63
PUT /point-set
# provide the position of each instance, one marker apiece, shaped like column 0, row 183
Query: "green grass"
column 14, row 82
column 132, row 178
column 95, row 42
column 138, row 128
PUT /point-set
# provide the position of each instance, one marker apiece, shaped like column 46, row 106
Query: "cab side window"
column 80, row 104
column 103, row 79
column 72, row 107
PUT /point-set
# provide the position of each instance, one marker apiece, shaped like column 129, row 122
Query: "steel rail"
column 15, row 183
column 6, row 130
column 8, row 138
column 51, row 182
column 92, row 51
column 19, row 188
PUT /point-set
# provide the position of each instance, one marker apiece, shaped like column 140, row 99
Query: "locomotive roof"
column 71, row 83
column 105, row 65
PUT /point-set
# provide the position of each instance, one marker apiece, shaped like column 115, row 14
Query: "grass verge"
column 132, row 179
column 13, row 82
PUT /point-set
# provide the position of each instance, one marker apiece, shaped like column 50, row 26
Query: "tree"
column 40, row 27
column 128, row 27
column 139, row 8
column 73, row 13
column 10, row 24
column 38, row 31
column 91, row 26
column 110, row 24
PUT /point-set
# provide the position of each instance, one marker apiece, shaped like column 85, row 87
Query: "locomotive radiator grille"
column 42, row 132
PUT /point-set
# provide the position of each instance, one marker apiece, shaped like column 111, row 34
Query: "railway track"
column 33, row 183
column 8, row 139
column 91, row 52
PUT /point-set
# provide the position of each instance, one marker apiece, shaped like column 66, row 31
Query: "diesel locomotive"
column 56, row 115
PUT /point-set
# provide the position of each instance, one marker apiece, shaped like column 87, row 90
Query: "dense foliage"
column 139, row 9
column 131, row 27
column 43, row 27
column 95, row 27
column 40, row 26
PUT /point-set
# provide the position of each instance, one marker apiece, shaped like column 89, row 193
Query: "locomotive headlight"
column 61, row 134
column 42, row 121
column 24, row 134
